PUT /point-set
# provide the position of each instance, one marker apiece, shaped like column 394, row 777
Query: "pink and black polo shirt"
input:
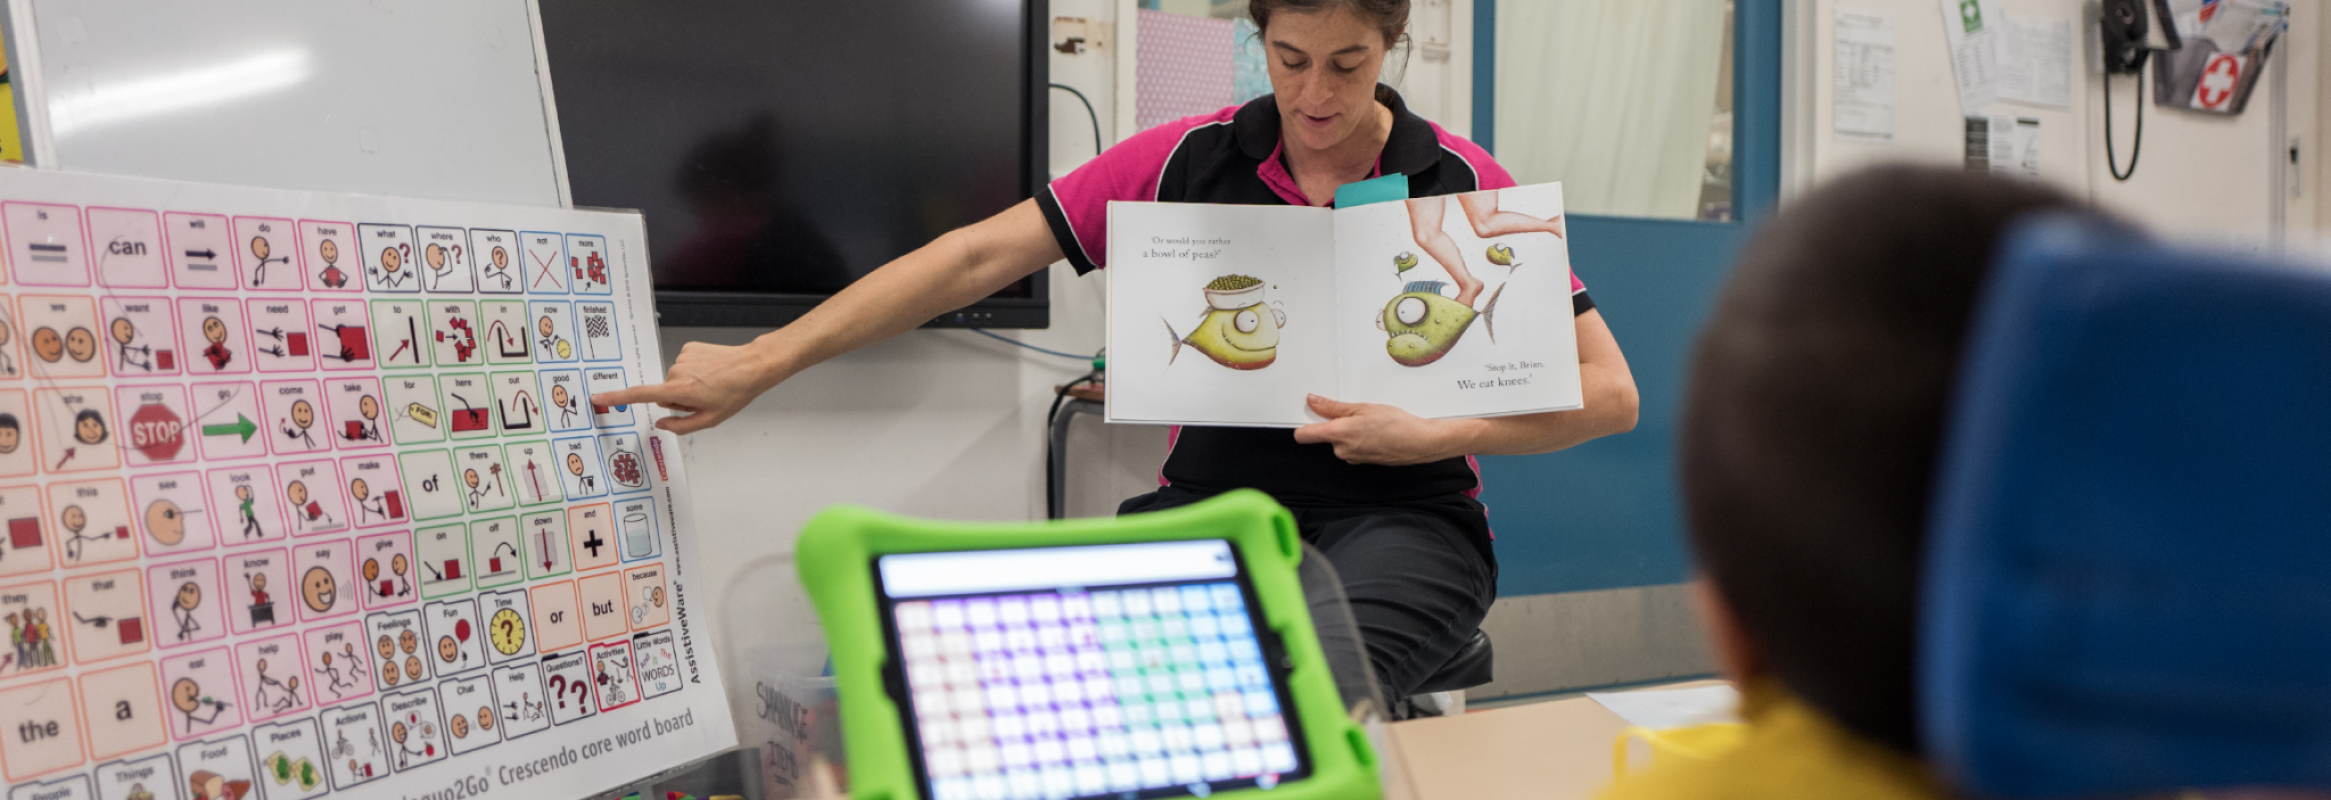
column 1232, row 156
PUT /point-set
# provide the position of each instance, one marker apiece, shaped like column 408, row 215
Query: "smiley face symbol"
column 214, row 330
column 80, row 344
column 89, row 426
column 391, row 260
column 329, row 251
column 302, row 414
column 459, row 725
column 448, row 649
column 48, row 344
column 371, row 570
column 189, row 596
column 369, row 407
column 413, row 667
column 485, row 718
column 319, row 590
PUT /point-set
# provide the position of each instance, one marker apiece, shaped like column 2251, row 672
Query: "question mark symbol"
column 405, row 251
column 558, row 689
column 457, row 254
column 582, row 693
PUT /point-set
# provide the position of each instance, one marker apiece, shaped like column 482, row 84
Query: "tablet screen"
column 1106, row 671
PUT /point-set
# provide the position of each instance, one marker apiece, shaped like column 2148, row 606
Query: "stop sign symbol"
column 156, row 431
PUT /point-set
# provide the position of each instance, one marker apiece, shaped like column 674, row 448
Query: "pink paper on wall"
column 1183, row 67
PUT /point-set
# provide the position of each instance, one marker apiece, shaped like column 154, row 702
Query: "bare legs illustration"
column 1481, row 211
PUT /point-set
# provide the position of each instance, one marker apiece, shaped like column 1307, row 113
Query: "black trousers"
column 1419, row 575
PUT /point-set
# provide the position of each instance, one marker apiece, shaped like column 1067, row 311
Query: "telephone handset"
column 2126, row 30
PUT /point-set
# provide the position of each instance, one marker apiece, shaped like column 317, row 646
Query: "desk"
column 1556, row 750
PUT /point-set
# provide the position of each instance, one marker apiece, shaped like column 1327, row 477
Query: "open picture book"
column 1446, row 307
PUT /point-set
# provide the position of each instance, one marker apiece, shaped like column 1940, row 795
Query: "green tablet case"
column 836, row 557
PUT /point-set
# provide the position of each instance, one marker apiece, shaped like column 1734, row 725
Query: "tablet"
column 1158, row 655
column 1116, row 671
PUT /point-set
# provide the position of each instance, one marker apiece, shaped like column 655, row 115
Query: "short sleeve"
column 1076, row 205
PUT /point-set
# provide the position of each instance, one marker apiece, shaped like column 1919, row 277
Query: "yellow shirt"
column 1793, row 751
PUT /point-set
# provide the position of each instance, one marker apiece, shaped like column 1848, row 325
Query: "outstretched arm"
column 713, row 382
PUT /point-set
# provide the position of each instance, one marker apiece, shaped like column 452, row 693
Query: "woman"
column 1388, row 496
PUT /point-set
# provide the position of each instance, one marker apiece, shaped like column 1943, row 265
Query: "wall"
column 2201, row 177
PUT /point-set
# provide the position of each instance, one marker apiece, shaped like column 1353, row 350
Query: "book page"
column 1469, row 317
column 1219, row 314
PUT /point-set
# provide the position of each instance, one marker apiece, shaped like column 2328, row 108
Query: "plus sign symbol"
column 594, row 543
column 2218, row 80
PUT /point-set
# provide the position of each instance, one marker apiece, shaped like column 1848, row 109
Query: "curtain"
column 1613, row 98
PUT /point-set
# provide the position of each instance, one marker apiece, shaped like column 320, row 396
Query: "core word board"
column 303, row 495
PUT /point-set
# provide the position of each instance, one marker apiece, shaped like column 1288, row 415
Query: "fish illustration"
column 1424, row 323
column 1238, row 329
column 1404, row 262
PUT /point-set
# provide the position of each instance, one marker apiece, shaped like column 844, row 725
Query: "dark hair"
column 88, row 414
column 1813, row 415
column 8, row 420
column 1388, row 16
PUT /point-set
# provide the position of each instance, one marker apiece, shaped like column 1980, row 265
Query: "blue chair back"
column 2128, row 576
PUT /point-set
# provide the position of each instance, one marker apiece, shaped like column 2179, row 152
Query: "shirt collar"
column 1412, row 148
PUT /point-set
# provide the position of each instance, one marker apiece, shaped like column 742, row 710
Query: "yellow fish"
column 1244, row 338
column 1424, row 324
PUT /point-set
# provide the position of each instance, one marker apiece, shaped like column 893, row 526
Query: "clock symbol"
column 508, row 632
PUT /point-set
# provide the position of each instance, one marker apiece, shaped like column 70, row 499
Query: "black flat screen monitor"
column 781, row 149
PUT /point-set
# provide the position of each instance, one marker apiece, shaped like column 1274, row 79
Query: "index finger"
column 663, row 394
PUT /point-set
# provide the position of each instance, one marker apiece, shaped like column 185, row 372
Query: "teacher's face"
column 1323, row 69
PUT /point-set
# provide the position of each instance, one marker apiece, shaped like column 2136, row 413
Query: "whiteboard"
column 443, row 99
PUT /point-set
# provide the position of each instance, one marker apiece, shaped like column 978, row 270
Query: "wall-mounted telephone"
column 2124, row 26
column 2128, row 33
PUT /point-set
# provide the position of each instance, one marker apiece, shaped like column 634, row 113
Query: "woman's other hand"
column 1372, row 433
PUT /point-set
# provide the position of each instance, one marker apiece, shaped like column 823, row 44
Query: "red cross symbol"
column 2217, row 81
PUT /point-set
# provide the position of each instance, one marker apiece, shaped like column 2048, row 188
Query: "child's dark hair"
column 8, row 420
column 1388, row 16
column 1813, row 415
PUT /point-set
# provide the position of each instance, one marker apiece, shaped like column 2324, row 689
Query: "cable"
column 2136, row 147
column 1009, row 340
column 1089, row 113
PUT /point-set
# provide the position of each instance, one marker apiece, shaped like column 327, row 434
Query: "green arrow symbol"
column 242, row 426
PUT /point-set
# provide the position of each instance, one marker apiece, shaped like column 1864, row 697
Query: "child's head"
column 1815, row 409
